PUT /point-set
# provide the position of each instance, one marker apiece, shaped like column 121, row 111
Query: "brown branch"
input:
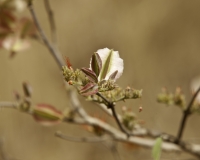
column 51, row 21
column 111, row 106
column 52, row 50
column 185, row 116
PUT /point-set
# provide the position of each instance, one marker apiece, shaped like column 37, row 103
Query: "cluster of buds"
column 177, row 98
column 128, row 118
column 105, row 68
column 117, row 94
column 74, row 77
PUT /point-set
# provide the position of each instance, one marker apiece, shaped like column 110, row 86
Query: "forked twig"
column 111, row 106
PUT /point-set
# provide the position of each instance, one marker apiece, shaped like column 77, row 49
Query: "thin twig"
column 81, row 139
column 51, row 21
column 186, row 114
column 111, row 106
column 52, row 50
column 12, row 105
column 112, row 146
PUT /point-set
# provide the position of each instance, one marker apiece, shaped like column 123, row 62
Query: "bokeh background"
column 159, row 42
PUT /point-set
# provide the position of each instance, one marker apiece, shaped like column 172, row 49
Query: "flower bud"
column 47, row 115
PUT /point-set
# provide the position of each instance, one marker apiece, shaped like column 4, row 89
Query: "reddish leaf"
column 90, row 74
column 87, row 87
column 27, row 28
column 68, row 63
column 6, row 19
column 113, row 75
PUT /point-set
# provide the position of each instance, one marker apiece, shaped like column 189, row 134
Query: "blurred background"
column 159, row 42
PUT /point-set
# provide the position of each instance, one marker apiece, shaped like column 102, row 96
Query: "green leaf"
column 96, row 63
column 156, row 151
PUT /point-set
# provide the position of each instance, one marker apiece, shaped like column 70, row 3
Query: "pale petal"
column 115, row 63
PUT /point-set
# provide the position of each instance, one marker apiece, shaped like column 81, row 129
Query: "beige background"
column 159, row 42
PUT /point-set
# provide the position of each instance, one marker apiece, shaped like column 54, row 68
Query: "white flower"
column 111, row 63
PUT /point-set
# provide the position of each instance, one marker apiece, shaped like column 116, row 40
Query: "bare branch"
column 52, row 50
column 51, row 21
column 12, row 105
column 80, row 139
column 110, row 105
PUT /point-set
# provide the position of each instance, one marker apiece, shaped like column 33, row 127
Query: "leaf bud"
column 46, row 114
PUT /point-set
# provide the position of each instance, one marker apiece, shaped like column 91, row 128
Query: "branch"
column 111, row 106
column 12, row 105
column 143, row 142
column 86, row 119
column 81, row 139
column 186, row 114
column 51, row 21
column 52, row 50
column 112, row 146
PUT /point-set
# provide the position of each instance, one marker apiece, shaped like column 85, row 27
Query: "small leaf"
column 87, row 87
column 113, row 75
column 27, row 89
column 68, row 63
column 156, row 152
column 7, row 19
column 96, row 63
column 90, row 74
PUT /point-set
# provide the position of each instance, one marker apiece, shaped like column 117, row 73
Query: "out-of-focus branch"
column 3, row 154
column 12, row 105
column 54, row 53
column 80, row 139
column 51, row 21
column 186, row 114
column 121, row 137
column 140, row 141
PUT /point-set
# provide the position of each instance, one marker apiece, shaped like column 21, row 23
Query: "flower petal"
column 110, row 63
